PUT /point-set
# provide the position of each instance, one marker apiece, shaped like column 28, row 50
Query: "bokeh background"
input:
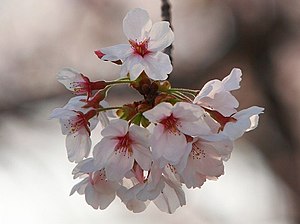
column 39, row 37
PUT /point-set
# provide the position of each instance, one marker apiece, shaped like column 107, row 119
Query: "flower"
column 171, row 196
column 244, row 121
column 162, row 187
column 78, row 83
column 75, row 81
column 152, row 186
column 173, row 123
column 120, row 147
column 204, row 160
column 215, row 95
column 77, row 123
column 99, row 192
column 128, row 195
column 143, row 53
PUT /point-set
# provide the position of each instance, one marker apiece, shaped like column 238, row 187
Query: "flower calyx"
column 94, row 102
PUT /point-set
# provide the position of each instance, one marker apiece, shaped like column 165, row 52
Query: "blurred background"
column 38, row 38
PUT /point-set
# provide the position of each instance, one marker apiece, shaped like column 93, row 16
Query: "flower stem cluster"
column 152, row 147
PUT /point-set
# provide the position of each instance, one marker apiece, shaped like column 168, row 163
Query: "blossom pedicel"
column 150, row 148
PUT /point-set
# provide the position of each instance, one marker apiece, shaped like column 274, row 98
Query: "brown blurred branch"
column 166, row 16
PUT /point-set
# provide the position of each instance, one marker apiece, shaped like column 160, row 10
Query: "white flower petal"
column 157, row 132
column 192, row 178
column 155, row 177
column 96, row 199
column 246, row 120
column 103, row 118
column 142, row 155
column 215, row 95
column 93, row 123
column 223, row 147
column 225, row 103
column 135, row 66
column 116, row 128
column 106, row 192
column 167, row 147
column 170, row 199
column 105, row 200
column 198, row 128
column 80, row 187
column 109, row 113
column 177, row 187
column 149, row 192
column 209, row 165
column 157, row 65
column 159, row 112
column 62, row 113
column 184, row 159
column 116, row 52
column 76, row 103
column 68, row 76
column 139, row 135
column 84, row 167
column 118, row 165
column 187, row 112
column 78, row 145
column 232, row 81
column 254, row 122
column 137, row 24
column 124, row 69
column 136, row 205
column 128, row 197
column 161, row 36
column 103, row 150
column 209, row 89
column 91, row 196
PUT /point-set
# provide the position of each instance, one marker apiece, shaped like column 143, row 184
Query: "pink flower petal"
column 232, row 81
column 118, row 165
column 157, row 65
column 103, row 151
column 159, row 112
column 116, row 52
column 161, row 36
column 68, row 76
column 137, row 24
column 247, row 120
column 116, row 128
column 167, row 147
column 78, row 145
column 142, row 155
column 96, row 199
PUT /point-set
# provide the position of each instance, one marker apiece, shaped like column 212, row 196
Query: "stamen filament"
column 119, row 82
column 192, row 91
column 108, row 108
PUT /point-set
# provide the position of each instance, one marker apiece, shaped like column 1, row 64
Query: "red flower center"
column 197, row 152
column 81, row 120
column 124, row 145
column 140, row 48
column 170, row 124
column 96, row 177
column 78, row 122
column 83, row 86
column 222, row 120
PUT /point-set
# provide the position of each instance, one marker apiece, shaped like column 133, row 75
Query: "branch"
column 166, row 16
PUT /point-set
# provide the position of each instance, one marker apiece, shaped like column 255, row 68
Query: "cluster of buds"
column 153, row 147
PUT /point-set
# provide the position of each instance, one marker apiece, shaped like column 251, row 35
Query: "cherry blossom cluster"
column 150, row 149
